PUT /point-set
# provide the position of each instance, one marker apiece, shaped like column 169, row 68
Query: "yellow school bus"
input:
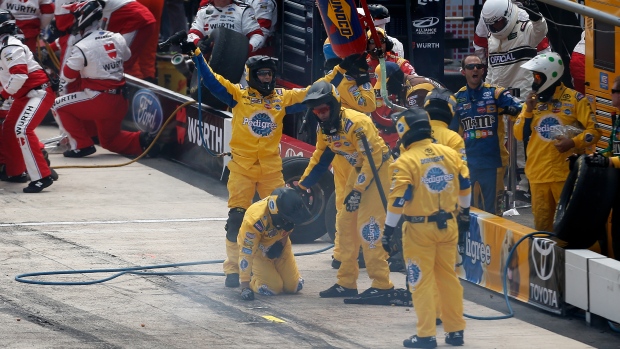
column 602, row 63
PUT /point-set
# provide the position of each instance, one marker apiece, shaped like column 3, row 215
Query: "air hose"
column 131, row 270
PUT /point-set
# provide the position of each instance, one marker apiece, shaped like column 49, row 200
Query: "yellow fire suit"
column 363, row 226
column 256, row 165
column 545, row 167
column 362, row 99
column 268, row 277
column 426, row 178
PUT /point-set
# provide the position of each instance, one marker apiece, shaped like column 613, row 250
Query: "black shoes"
column 420, row 342
column 38, row 185
column 455, row 338
column 80, row 153
column 232, row 280
column 338, row 291
column 22, row 178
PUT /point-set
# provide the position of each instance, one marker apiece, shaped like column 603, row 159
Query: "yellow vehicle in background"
column 602, row 64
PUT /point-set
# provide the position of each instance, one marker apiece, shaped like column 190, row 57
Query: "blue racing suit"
column 478, row 117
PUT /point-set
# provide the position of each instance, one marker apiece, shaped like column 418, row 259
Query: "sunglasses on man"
column 472, row 66
column 320, row 110
column 614, row 91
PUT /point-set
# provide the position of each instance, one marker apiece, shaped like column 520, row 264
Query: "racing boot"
column 22, row 178
column 80, row 153
column 38, row 185
column 420, row 342
column 455, row 338
column 232, row 280
column 338, row 291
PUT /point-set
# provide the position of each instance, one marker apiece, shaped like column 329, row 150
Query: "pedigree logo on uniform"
column 371, row 232
column 546, row 127
column 260, row 124
column 437, row 179
column 146, row 110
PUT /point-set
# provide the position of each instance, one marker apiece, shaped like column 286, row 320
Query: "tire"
column 230, row 51
column 584, row 206
column 330, row 217
column 292, row 169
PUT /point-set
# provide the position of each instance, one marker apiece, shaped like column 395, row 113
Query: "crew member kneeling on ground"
column 430, row 185
column 96, row 64
column 266, row 261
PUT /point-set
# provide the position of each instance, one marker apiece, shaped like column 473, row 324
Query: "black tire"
column 584, row 205
column 292, row 169
column 230, row 51
column 330, row 217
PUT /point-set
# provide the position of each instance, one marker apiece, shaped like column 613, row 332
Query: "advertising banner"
column 488, row 245
column 546, row 262
column 429, row 27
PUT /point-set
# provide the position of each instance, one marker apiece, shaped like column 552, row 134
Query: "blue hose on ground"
column 131, row 270
column 511, row 312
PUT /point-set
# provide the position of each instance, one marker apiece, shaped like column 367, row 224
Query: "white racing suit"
column 97, row 60
column 236, row 16
column 31, row 16
column 23, row 79
column 266, row 12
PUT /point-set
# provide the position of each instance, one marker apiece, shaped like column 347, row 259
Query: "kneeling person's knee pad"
column 233, row 224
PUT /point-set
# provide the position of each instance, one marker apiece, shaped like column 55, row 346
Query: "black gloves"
column 302, row 192
column 386, row 240
column 532, row 9
column 187, row 47
column 572, row 159
column 206, row 44
column 247, row 294
column 352, row 200
column 597, row 160
column 356, row 66
column 463, row 222
column 275, row 250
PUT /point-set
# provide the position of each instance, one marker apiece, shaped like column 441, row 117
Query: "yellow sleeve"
column 401, row 188
column 248, row 240
column 517, row 129
column 586, row 117
column 376, row 144
column 360, row 98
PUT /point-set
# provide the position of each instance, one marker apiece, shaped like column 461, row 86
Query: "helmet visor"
column 498, row 25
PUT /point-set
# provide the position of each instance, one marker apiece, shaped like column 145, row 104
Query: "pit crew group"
column 428, row 187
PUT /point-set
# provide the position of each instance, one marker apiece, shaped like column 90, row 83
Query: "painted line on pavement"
column 173, row 220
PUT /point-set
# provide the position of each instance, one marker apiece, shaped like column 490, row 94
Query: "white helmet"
column 550, row 65
column 500, row 17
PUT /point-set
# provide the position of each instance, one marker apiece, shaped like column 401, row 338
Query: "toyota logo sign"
column 543, row 257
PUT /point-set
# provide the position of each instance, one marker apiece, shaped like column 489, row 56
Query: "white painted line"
column 30, row 224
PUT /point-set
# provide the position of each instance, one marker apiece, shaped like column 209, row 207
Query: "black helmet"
column 412, row 125
column 440, row 104
column 85, row 13
column 256, row 63
column 378, row 11
column 287, row 208
column 7, row 22
column 322, row 92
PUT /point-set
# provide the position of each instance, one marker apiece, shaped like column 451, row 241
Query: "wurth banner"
column 429, row 23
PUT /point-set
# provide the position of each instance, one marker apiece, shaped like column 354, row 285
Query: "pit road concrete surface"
column 159, row 212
